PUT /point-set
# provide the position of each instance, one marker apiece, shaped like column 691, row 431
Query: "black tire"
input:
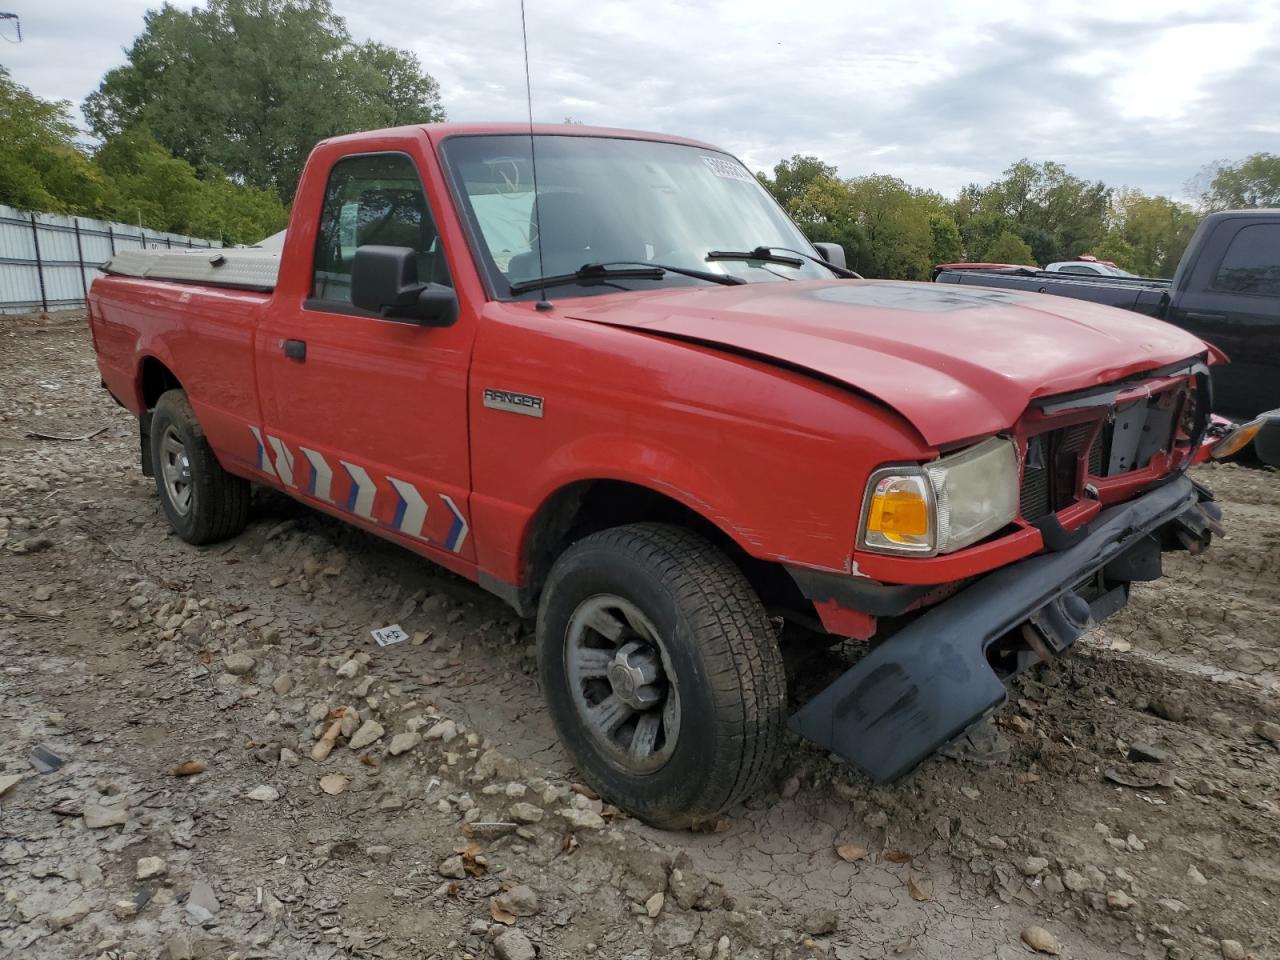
column 720, row 646
column 217, row 504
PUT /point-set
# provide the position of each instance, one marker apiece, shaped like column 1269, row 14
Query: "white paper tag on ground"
column 386, row 636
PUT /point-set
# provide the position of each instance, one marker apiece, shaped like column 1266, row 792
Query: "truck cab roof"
column 441, row 131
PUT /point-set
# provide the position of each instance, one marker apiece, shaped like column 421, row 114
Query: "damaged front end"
column 1103, row 484
column 947, row 669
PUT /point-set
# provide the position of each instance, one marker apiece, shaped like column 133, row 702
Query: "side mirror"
column 384, row 280
column 833, row 253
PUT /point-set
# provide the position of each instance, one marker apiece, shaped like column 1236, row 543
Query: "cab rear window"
column 1252, row 262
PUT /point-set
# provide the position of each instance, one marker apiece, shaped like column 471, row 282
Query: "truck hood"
column 958, row 362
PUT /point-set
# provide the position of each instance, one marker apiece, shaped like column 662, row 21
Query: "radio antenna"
column 542, row 304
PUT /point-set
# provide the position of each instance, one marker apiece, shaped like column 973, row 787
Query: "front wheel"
column 661, row 671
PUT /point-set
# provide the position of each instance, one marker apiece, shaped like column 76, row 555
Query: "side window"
column 374, row 199
column 1076, row 270
column 1252, row 262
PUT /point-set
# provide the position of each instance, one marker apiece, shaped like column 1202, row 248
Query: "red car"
column 633, row 400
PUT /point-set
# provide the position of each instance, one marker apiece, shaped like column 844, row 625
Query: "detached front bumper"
column 932, row 680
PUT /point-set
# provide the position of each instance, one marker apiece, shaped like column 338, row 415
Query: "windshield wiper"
column 766, row 255
column 633, row 270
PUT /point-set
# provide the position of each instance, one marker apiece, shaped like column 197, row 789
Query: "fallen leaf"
column 499, row 913
column 334, row 784
column 569, row 843
column 189, row 768
column 851, row 852
column 920, row 890
column 895, row 856
column 369, row 760
column 471, row 861
column 1025, row 778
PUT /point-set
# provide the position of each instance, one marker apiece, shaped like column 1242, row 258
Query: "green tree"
column 249, row 86
column 1253, row 182
column 1043, row 244
column 944, row 239
column 1055, row 213
column 793, row 178
column 1072, row 210
column 895, row 221
column 164, row 193
column 152, row 187
column 1036, row 213
column 1009, row 248
column 1118, row 250
column 40, row 165
column 1157, row 230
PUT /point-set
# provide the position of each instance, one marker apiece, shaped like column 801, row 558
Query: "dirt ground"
column 1137, row 812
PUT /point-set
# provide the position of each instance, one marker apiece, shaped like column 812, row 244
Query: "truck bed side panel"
column 1139, row 297
column 203, row 335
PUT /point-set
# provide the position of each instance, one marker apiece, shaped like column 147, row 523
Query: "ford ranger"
column 603, row 375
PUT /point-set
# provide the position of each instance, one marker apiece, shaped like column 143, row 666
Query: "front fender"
column 774, row 458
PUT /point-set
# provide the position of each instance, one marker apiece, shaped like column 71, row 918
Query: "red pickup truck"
column 633, row 400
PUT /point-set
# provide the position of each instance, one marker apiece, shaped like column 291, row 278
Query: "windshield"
column 604, row 200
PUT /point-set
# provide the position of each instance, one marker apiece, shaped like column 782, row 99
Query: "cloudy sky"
column 1140, row 92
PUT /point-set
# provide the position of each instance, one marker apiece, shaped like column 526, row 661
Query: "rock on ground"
column 514, row 945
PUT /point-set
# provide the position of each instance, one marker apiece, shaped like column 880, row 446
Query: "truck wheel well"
column 589, row 506
column 155, row 378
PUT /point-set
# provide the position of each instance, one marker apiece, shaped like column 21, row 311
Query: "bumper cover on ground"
column 928, row 683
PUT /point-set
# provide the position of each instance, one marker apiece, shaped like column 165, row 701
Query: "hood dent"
column 956, row 362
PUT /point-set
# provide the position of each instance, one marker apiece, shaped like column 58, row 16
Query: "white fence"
column 48, row 260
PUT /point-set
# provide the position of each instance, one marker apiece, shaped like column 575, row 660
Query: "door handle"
column 1205, row 317
column 294, row 349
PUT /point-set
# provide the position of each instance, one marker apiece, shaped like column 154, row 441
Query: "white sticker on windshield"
column 728, row 169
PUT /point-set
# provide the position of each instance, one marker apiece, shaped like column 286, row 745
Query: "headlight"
column 942, row 506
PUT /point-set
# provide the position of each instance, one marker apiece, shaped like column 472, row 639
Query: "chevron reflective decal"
column 458, row 532
column 264, row 463
column 411, row 506
column 284, row 461
column 411, row 511
column 360, row 500
column 321, row 482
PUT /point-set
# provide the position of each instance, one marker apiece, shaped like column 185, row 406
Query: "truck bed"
column 1141, row 295
column 246, row 268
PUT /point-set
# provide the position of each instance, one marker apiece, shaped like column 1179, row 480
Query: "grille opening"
column 1050, row 468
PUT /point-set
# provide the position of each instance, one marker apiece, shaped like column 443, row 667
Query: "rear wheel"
column 661, row 671
column 204, row 503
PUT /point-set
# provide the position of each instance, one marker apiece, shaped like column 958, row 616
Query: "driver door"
column 366, row 417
